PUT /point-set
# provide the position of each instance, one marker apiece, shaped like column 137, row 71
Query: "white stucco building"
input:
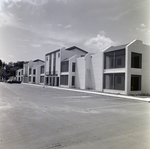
column 60, row 66
column 19, row 75
column 126, row 69
column 31, row 71
column 120, row 69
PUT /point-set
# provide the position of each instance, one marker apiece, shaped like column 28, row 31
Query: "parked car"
column 14, row 81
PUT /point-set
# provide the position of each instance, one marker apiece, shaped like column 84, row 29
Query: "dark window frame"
column 136, row 83
column 73, row 67
column 136, row 60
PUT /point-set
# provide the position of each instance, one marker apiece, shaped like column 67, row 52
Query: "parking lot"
column 37, row 117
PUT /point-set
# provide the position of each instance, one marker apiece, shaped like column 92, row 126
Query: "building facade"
column 125, row 69
column 19, row 75
column 60, row 65
column 120, row 69
column 31, row 71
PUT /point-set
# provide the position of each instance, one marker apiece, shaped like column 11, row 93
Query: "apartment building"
column 19, row 75
column 60, row 66
column 31, row 71
column 126, row 70
column 122, row 69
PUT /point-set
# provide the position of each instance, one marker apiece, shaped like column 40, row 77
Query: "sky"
column 31, row 28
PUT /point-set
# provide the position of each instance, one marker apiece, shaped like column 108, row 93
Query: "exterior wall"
column 80, row 73
column 137, row 47
column 19, row 75
column 146, row 70
column 83, row 76
column 25, row 73
column 88, row 73
column 31, row 65
column 71, row 60
column 69, row 53
column 47, row 59
column 42, row 74
column 60, row 56
column 97, row 71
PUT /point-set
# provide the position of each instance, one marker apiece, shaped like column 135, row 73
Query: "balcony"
column 51, row 73
column 115, row 59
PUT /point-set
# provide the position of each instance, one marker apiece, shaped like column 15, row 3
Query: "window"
column 42, row 69
column 54, row 64
column 118, row 79
column 136, row 60
column 34, row 71
column 135, row 82
column 73, row 80
column 46, row 58
column 119, row 62
column 19, row 73
column 33, row 79
column 108, row 81
column 115, row 59
column 73, row 67
column 22, row 72
column 29, row 71
column 58, row 54
column 114, row 81
column 50, row 60
column 65, row 66
column 64, row 80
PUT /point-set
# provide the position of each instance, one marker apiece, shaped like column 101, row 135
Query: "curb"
column 92, row 92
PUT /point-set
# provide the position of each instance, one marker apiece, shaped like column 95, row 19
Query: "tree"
column 1, row 63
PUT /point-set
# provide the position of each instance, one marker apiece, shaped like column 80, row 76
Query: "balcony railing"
column 52, row 73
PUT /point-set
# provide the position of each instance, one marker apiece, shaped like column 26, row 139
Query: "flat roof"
column 114, row 48
column 69, row 49
column 52, row 52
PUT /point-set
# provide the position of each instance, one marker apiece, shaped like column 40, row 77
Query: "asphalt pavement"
column 37, row 117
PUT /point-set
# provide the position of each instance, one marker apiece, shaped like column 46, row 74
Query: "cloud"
column 8, row 19
column 59, row 25
column 143, row 28
column 36, row 45
column 68, row 26
column 100, row 42
column 142, row 25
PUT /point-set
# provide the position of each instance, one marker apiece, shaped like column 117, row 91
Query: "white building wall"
column 47, row 64
column 58, row 63
column 38, row 74
column 146, row 70
column 19, row 75
column 138, row 47
column 97, row 71
column 69, row 53
column 80, row 73
column 88, row 73
column 71, row 60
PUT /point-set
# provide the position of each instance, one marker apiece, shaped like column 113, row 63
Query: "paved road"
column 46, row 118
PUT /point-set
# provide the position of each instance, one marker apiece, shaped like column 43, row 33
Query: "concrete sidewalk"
column 94, row 92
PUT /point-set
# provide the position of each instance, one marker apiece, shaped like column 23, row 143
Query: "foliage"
column 9, row 70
